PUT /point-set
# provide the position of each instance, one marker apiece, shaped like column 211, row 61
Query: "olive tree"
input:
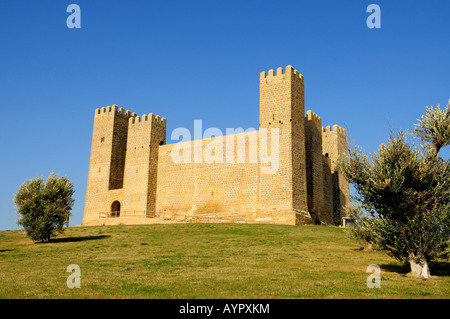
column 44, row 207
column 403, row 193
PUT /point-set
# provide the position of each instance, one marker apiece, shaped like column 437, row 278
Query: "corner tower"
column 107, row 161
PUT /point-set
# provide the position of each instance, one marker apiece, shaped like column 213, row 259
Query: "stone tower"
column 335, row 145
column 314, row 164
column 106, row 166
column 282, row 107
column 145, row 135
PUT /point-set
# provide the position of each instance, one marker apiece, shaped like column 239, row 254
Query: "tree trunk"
column 419, row 267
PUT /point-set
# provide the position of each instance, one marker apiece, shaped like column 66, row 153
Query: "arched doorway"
column 115, row 209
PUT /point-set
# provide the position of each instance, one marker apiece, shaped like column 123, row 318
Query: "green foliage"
column 359, row 230
column 404, row 193
column 44, row 207
column 434, row 127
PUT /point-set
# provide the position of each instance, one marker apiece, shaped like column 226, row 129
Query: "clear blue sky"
column 188, row 60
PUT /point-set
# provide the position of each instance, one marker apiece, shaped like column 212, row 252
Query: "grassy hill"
column 206, row 261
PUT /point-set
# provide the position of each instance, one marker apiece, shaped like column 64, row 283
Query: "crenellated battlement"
column 133, row 118
column 336, row 129
column 147, row 119
column 313, row 118
column 281, row 73
column 113, row 109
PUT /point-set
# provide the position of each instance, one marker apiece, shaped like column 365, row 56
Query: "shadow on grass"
column 440, row 268
column 75, row 239
column 398, row 268
column 436, row 268
column 4, row 250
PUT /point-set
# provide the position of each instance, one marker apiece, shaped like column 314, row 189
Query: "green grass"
column 206, row 261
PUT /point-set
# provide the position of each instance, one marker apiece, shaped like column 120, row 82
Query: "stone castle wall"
column 207, row 188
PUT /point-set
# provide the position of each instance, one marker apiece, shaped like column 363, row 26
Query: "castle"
column 133, row 177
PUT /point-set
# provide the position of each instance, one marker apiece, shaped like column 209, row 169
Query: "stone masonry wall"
column 207, row 188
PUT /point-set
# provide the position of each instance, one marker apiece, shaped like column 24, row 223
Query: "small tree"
column 44, row 207
column 405, row 193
